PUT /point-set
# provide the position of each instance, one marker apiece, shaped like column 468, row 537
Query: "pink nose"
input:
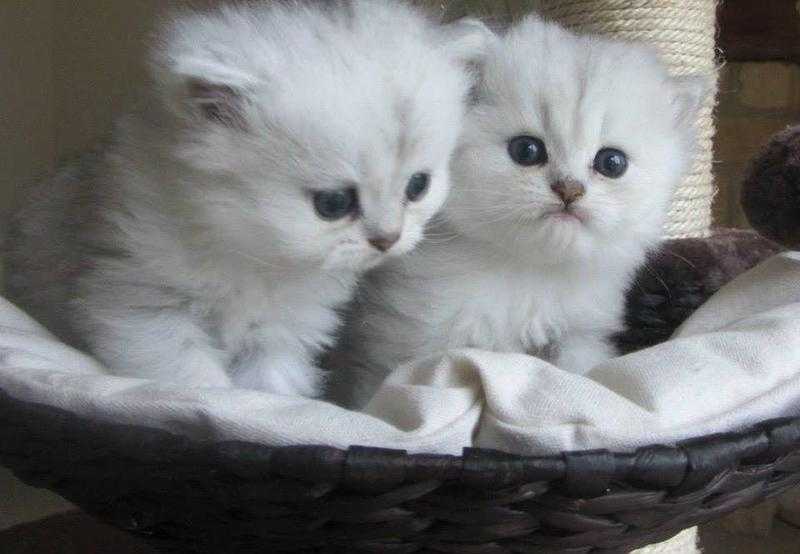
column 569, row 190
column 384, row 243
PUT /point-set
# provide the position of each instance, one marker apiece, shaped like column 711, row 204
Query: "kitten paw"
column 286, row 377
column 200, row 371
column 579, row 355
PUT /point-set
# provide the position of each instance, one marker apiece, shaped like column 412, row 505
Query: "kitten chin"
column 285, row 149
column 561, row 183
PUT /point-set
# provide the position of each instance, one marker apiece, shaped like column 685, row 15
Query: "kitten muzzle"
column 385, row 242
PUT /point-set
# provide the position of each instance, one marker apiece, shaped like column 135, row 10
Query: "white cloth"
column 732, row 364
column 684, row 543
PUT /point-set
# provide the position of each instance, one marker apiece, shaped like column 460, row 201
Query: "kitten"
column 287, row 149
column 561, row 183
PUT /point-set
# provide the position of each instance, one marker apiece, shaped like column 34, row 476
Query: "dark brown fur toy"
column 684, row 273
column 680, row 277
column 771, row 191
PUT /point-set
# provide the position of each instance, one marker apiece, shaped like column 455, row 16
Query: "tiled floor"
column 782, row 540
column 20, row 504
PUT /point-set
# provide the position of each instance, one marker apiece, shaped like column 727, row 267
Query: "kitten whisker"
column 646, row 266
column 259, row 261
column 682, row 258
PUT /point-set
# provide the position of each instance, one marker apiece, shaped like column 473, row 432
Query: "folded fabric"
column 732, row 364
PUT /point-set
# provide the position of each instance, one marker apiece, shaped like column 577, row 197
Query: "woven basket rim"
column 686, row 466
column 184, row 495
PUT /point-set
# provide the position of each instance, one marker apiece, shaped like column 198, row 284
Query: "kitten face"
column 325, row 135
column 327, row 183
column 576, row 145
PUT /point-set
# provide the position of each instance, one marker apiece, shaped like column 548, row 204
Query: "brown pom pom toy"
column 682, row 274
column 771, row 190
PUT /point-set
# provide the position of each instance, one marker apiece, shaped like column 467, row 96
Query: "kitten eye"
column 527, row 151
column 418, row 186
column 335, row 204
column 611, row 162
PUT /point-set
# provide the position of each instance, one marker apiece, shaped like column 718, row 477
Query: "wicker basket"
column 186, row 496
column 237, row 497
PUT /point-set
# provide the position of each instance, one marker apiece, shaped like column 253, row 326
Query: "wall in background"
column 97, row 66
column 27, row 149
column 756, row 100
column 27, row 141
column 67, row 69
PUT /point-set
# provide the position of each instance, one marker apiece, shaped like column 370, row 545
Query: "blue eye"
column 418, row 186
column 527, row 151
column 611, row 162
column 336, row 204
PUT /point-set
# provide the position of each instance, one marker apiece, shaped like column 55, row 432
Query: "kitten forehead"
column 548, row 54
column 576, row 88
column 362, row 83
column 314, row 50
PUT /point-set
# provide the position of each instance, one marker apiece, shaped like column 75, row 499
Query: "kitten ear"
column 201, row 73
column 211, row 87
column 218, row 103
column 689, row 93
column 467, row 40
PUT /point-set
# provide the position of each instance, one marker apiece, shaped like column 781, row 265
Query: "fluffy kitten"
column 561, row 183
column 287, row 148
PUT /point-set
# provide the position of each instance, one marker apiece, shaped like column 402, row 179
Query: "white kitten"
column 287, row 149
column 561, row 183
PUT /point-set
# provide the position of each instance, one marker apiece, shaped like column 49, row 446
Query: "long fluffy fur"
column 189, row 251
column 501, row 272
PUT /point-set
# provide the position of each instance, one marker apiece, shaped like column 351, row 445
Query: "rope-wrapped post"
column 684, row 31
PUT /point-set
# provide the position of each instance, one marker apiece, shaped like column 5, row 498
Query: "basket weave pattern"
column 238, row 497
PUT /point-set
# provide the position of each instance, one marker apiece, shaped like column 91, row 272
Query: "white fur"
column 502, row 272
column 198, row 256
